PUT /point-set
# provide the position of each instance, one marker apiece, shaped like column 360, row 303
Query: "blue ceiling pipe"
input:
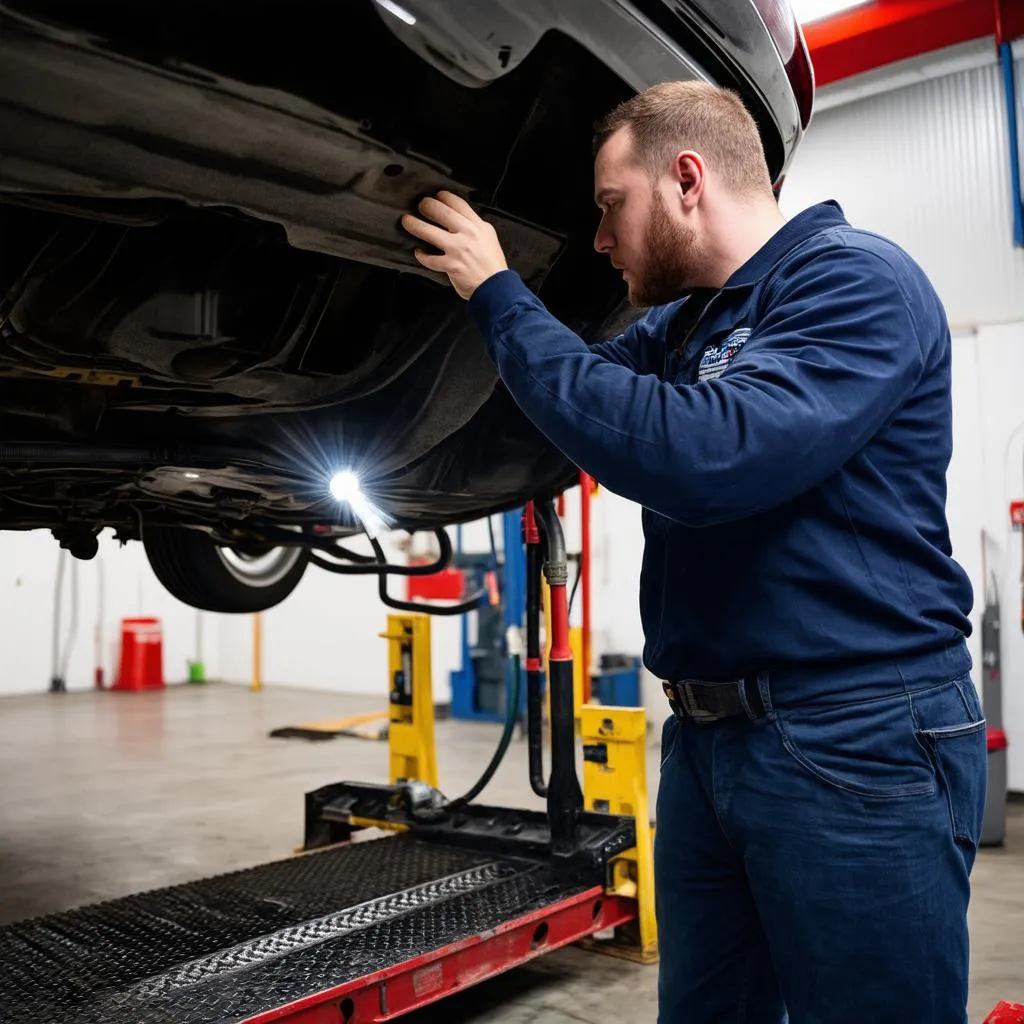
column 1010, row 86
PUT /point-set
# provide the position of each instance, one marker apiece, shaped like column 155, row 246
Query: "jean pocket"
column 951, row 729
column 868, row 749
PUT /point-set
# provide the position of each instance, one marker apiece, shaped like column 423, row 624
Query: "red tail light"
column 789, row 38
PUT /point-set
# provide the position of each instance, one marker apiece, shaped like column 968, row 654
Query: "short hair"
column 673, row 116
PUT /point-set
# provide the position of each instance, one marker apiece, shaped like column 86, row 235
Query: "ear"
column 690, row 176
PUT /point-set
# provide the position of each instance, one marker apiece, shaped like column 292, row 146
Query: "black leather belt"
column 705, row 703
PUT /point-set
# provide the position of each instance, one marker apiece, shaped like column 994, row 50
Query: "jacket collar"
column 805, row 224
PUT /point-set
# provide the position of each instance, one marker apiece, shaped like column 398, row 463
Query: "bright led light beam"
column 345, row 488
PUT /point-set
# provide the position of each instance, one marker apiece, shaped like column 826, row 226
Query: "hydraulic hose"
column 514, row 642
column 506, row 738
column 379, row 565
column 534, row 697
column 565, row 798
column 558, row 559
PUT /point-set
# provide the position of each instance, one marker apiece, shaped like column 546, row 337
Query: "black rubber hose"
column 470, row 604
column 343, row 554
column 329, row 546
column 558, row 559
column 565, row 798
column 379, row 565
column 511, row 713
column 534, row 697
column 511, row 716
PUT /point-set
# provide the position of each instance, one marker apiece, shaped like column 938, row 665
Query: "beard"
column 673, row 261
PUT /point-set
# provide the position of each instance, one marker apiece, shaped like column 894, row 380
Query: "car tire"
column 205, row 575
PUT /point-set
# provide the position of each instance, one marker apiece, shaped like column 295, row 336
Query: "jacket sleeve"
column 834, row 357
column 640, row 348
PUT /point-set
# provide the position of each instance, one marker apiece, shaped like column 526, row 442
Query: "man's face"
column 643, row 230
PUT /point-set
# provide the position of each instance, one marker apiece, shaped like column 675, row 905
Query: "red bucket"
column 142, row 655
column 996, row 740
column 1006, row 1013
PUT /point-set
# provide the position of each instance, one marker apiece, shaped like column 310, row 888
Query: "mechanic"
column 782, row 412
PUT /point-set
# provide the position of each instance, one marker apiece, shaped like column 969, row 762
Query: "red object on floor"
column 142, row 655
column 997, row 740
column 423, row 980
column 1006, row 1013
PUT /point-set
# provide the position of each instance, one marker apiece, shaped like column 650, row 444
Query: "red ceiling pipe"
column 586, row 489
column 1009, row 19
column 875, row 34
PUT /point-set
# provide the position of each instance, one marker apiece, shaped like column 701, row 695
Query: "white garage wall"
column 986, row 474
column 325, row 637
column 928, row 166
column 28, row 572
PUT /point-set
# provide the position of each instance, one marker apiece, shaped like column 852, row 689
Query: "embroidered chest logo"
column 717, row 357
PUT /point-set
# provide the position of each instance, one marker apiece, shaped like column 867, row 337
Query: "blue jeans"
column 812, row 865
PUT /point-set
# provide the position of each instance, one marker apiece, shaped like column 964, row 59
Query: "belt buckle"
column 683, row 702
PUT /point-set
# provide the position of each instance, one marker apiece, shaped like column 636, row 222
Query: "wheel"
column 217, row 579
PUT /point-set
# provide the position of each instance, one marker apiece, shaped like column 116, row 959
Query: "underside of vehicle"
column 207, row 305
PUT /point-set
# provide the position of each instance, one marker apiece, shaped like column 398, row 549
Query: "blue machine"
column 617, row 681
column 482, row 686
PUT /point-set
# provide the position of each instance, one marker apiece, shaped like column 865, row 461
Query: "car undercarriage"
column 207, row 305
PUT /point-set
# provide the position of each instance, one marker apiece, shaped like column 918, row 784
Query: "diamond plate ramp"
column 224, row 949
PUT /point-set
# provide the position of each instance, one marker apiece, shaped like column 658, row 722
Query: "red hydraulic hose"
column 560, row 649
column 586, row 486
column 565, row 798
column 534, row 663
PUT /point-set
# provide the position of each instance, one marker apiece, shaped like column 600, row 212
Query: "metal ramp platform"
column 361, row 932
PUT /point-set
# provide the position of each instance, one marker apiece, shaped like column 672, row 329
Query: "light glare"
column 814, row 10
column 345, row 486
column 398, row 11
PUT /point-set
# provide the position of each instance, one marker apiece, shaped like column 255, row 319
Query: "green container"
column 196, row 672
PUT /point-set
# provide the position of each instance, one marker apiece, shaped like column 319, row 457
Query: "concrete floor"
column 102, row 795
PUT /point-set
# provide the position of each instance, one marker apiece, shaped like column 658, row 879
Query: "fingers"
column 442, row 213
column 431, row 262
column 458, row 204
column 426, row 232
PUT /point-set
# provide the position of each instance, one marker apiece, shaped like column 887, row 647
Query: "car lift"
column 366, row 930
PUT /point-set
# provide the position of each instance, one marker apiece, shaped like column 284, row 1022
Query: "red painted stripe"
column 885, row 31
column 399, row 990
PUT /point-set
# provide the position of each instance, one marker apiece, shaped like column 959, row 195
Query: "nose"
column 604, row 240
